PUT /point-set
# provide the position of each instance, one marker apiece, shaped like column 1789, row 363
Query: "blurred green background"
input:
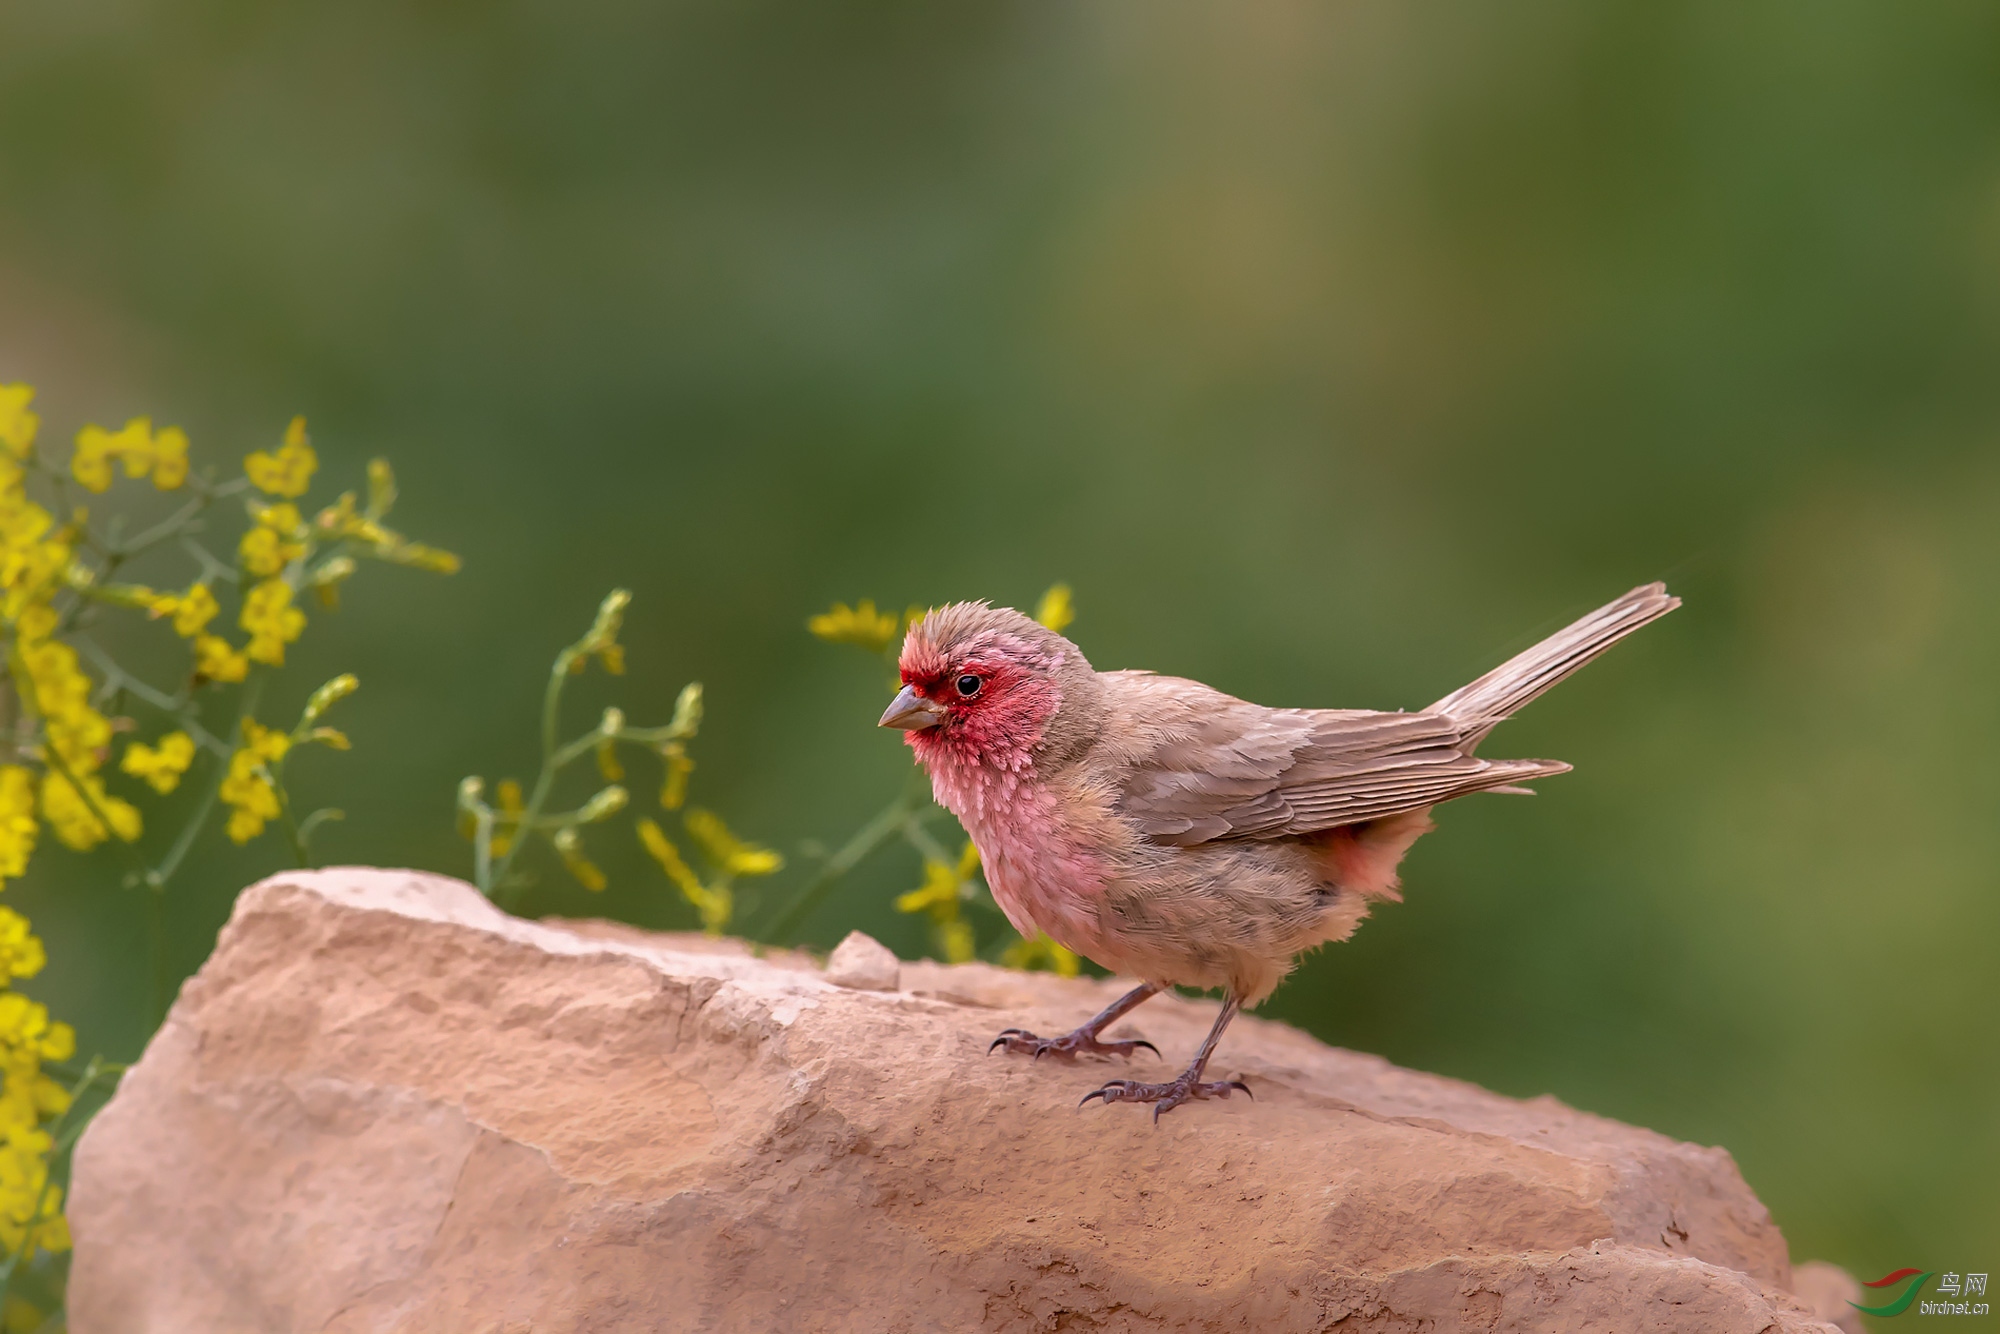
column 1332, row 352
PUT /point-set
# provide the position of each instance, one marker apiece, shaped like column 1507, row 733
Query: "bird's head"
column 982, row 684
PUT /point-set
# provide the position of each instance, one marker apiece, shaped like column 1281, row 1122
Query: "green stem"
column 893, row 817
column 211, row 568
column 482, row 850
column 156, row 931
column 285, row 817
column 253, row 690
column 544, row 781
column 927, row 847
column 117, row 678
column 166, row 530
column 293, row 831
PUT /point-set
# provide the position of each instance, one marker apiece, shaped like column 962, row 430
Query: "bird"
column 1173, row 833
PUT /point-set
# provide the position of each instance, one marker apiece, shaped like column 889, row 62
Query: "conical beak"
column 912, row 712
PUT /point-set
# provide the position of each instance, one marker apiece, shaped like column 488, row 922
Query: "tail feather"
column 1499, row 694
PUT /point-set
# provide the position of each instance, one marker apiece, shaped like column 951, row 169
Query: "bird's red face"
column 986, row 697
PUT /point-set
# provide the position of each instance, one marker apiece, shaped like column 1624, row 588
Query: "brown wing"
column 1211, row 766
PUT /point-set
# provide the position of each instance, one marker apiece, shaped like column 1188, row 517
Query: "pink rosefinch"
column 1173, row 833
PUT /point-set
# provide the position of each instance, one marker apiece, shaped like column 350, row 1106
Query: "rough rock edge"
column 760, row 1002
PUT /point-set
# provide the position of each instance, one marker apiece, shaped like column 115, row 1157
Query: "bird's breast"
column 1043, row 876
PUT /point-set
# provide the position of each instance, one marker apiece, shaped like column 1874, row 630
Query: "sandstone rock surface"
column 864, row 963
column 385, row 1105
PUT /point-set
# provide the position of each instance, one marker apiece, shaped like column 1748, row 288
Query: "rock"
column 864, row 964
column 1830, row 1293
column 385, row 1105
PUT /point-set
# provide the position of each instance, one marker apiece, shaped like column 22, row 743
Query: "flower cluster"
column 249, row 788
column 38, row 564
column 1038, row 951
column 279, row 555
column 253, row 787
column 861, row 625
column 63, row 700
column 164, row 456
column 946, row 889
column 502, row 829
column 160, row 766
column 30, row 1204
column 729, row 859
column 49, row 586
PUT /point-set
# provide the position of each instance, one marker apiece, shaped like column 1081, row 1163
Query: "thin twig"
column 870, row 836
column 118, row 678
column 253, row 689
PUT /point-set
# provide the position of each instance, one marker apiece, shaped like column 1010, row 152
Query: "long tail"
column 1496, row 696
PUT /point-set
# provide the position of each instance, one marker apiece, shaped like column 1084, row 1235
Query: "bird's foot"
column 1166, row 1097
column 1082, row 1042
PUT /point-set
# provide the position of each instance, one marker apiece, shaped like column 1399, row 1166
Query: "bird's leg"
column 1166, row 1097
column 1083, row 1042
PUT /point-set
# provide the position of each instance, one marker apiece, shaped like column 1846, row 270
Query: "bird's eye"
column 968, row 686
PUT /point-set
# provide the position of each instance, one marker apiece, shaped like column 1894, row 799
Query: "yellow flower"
column 938, row 895
column 436, row 560
column 164, row 455
column 714, row 904
column 170, row 458
column 507, row 818
column 381, row 486
column 30, row 1207
column 601, row 639
column 288, row 471
column 942, row 895
column 62, row 697
column 74, row 817
column 1056, row 611
column 326, row 580
column 36, row 623
column 569, row 845
column 860, row 624
column 17, row 423
column 342, row 520
column 247, row 788
column 25, row 1029
column 275, row 540
column 1038, row 951
column 76, row 739
column 21, row 952
column 17, row 820
column 192, row 610
column 607, row 760
column 215, row 660
column 90, row 463
column 673, row 791
column 669, row 857
column 161, row 767
column 272, row 620
column 956, row 940
column 726, row 850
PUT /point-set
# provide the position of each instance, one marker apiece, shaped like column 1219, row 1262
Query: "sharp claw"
column 1158, row 1107
column 1094, row 1093
column 998, row 1043
column 1239, row 1084
column 1141, row 1042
